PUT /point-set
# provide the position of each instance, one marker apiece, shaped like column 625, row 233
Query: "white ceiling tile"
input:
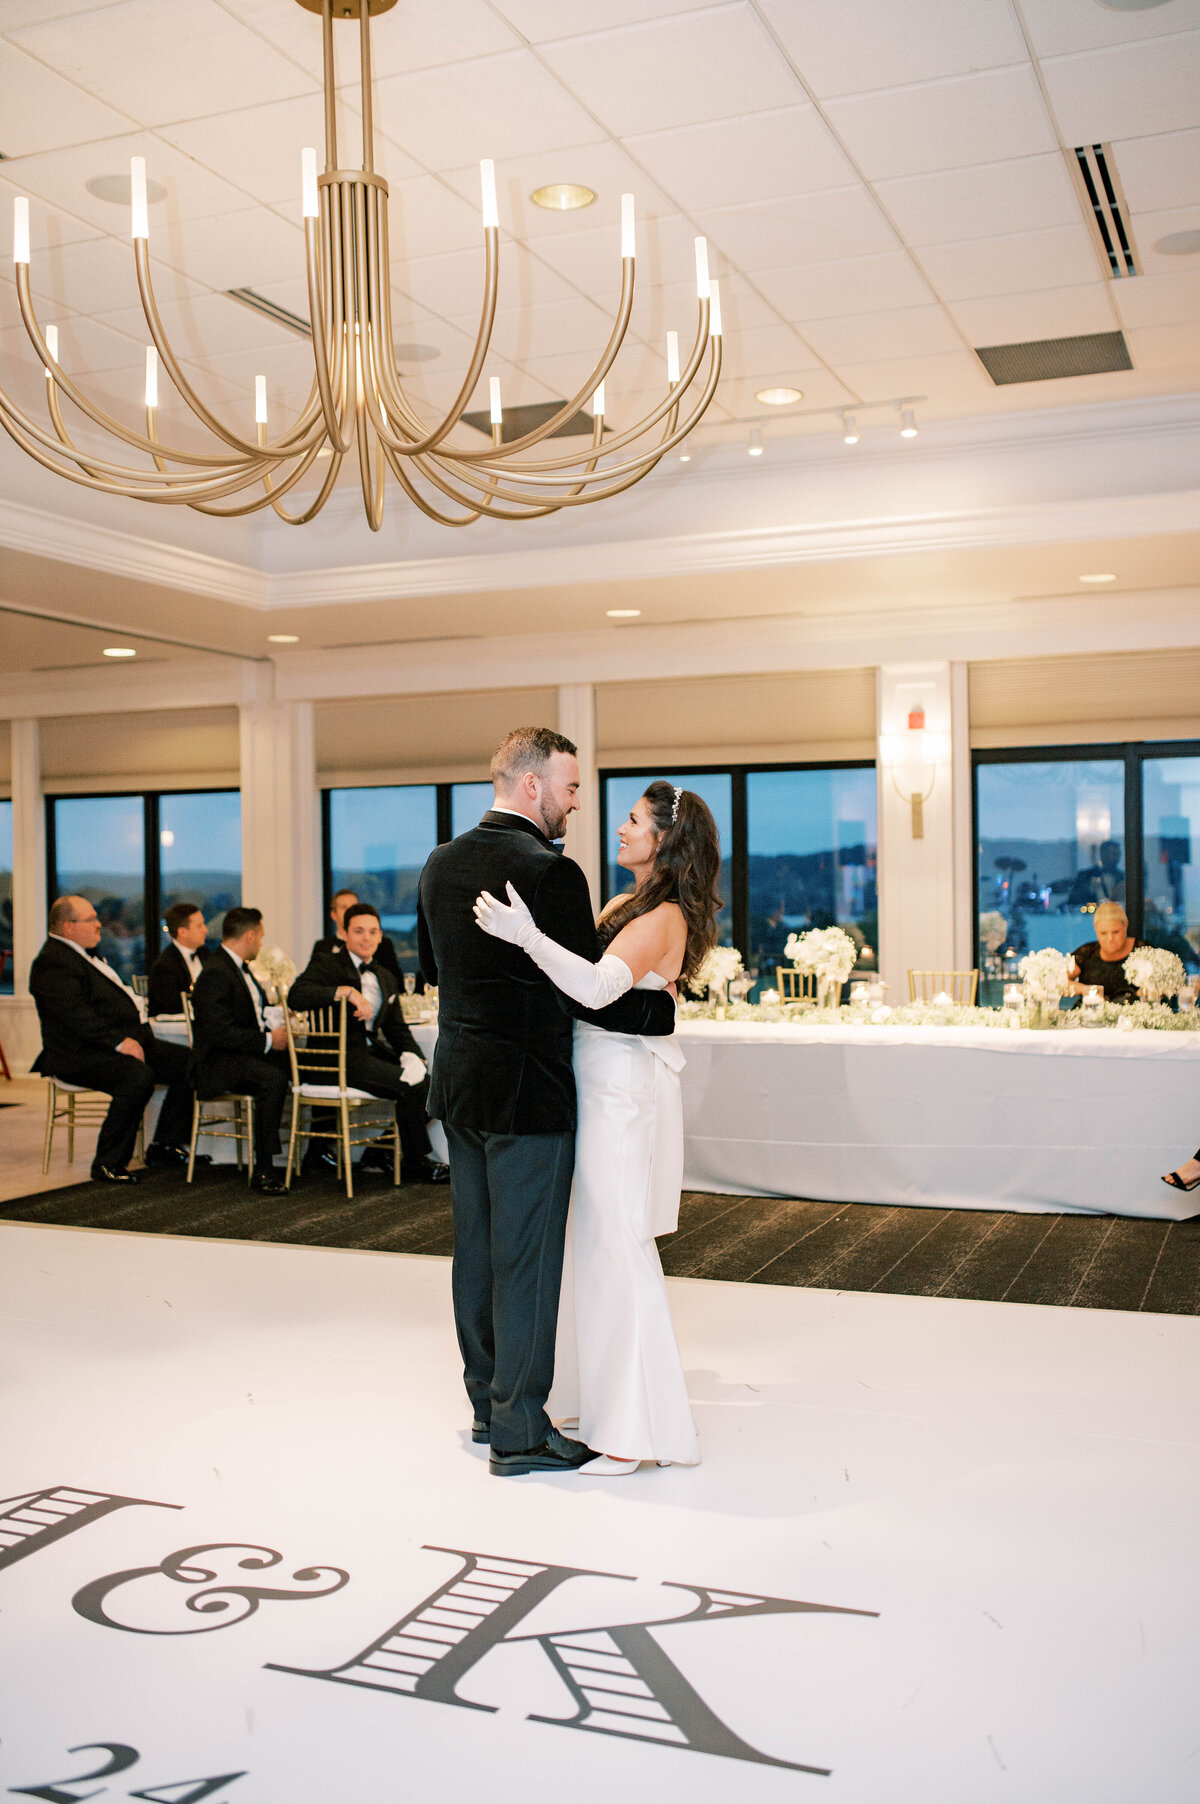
column 866, row 337
column 417, row 35
column 204, row 326
column 953, row 205
column 1175, row 348
column 861, row 44
column 1058, row 27
column 425, row 219
column 558, row 326
column 591, row 259
column 1024, row 318
column 160, row 60
column 677, row 71
column 47, row 225
column 99, row 276
column 452, row 284
column 61, row 176
column 776, row 352
column 14, row 13
column 726, row 161
column 497, row 106
column 603, row 167
column 955, row 380
column 297, row 32
column 1152, row 86
column 639, row 368
column 1172, row 300
column 43, row 111
column 240, row 250
column 1060, row 258
column 944, row 125
column 542, row 20
column 1161, row 171
column 854, row 285
column 84, row 345
column 810, row 228
column 257, row 149
column 1148, row 228
column 673, row 308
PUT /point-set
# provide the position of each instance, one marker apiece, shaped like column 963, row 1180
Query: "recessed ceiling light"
column 623, row 613
column 1104, row 576
column 415, row 353
column 1130, row 6
column 116, row 188
column 1178, row 244
column 685, row 457
column 563, row 197
column 283, row 638
column 119, row 651
column 779, row 397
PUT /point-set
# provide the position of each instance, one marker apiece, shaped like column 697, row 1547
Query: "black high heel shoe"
column 1175, row 1182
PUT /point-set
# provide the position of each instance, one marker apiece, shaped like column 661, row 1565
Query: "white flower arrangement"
column 829, row 951
column 993, row 930
column 719, row 966
column 275, row 971
column 1045, row 974
column 1122, row 1015
column 1158, row 972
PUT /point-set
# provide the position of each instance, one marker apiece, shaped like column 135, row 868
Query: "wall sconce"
column 911, row 760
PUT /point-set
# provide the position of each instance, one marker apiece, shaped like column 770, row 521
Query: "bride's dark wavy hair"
column 686, row 870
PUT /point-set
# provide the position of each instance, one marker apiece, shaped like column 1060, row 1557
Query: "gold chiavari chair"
column 236, row 1123
column 795, row 985
column 72, row 1106
column 140, row 985
column 317, row 1051
column 960, row 986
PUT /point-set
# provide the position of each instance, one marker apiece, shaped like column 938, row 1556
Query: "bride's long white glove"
column 595, row 986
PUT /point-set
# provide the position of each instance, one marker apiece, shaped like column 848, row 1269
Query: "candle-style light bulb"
column 310, row 208
column 598, row 403
column 672, row 356
column 494, row 394
column 702, row 269
column 139, row 211
column 20, row 229
column 628, row 238
column 260, row 400
column 714, row 316
column 151, row 376
column 487, row 181
column 52, row 347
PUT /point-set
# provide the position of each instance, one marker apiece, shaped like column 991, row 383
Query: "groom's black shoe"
column 555, row 1454
column 481, row 1434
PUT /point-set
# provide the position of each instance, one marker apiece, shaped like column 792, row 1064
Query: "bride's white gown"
column 617, row 1365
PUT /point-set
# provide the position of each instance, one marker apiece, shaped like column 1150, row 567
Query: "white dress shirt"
column 255, row 994
column 368, row 983
column 102, row 964
column 190, row 959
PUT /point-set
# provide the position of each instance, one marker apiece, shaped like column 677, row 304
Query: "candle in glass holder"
column 943, row 999
column 1014, row 997
column 1092, row 1006
column 770, row 997
column 876, row 992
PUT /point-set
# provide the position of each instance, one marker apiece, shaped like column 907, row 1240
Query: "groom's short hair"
column 526, row 749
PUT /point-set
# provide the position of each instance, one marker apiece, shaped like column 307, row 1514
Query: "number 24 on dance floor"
column 120, row 1758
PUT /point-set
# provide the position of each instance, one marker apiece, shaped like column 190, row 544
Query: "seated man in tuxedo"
column 343, row 900
column 233, row 1049
column 381, row 1055
column 176, row 969
column 93, row 1034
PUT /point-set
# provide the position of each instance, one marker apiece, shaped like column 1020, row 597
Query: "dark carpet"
column 1075, row 1261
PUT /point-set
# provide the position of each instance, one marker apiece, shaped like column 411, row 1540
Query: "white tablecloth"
column 950, row 1117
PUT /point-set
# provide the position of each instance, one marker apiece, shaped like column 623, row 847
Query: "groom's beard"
column 554, row 820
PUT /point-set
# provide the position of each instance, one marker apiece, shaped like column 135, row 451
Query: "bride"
column 617, row 1366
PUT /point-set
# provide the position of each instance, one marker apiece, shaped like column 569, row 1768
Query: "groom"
column 504, row 1090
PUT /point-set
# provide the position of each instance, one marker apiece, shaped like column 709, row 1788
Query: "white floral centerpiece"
column 718, row 968
column 829, row 953
column 993, row 930
column 1045, row 976
column 275, row 971
column 1155, row 972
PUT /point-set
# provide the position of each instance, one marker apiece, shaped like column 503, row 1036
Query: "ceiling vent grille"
column 1047, row 359
column 1106, row 208
column 520, row 420
column 258, row 303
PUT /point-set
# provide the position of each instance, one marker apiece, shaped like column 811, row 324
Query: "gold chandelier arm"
column 329, row 84
column 523, row 507
column 372, row 487
column 406, row 483
column 271, row 491
column 322, row 496
column 328, row 324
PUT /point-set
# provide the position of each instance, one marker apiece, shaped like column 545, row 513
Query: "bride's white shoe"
column 605, row 1466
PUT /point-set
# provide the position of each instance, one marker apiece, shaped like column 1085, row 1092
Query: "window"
column 377, row 841
column 6, row 913
column 714, row 787
column 200, row 852
column 469, row 802
column 811, row 855
column 98, row 850
column 1170, row 830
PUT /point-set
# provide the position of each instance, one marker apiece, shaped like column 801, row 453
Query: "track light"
column 849, row 430
column 908, row 425
column 755, row 447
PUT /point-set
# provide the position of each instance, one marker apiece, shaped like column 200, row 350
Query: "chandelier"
column 357, row 401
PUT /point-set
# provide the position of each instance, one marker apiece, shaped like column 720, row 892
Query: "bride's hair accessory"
column 675, row 809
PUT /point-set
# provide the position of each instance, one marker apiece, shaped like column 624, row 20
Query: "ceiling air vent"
column 520, row 420
column 258, row 303
column 1106, row 208
column 1046, row 359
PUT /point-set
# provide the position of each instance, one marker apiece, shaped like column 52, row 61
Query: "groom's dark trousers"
column 503, row 1088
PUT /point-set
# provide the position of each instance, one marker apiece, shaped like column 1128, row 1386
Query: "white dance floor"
column 939, row 1551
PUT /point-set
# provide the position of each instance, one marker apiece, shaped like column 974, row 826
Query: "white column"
column 920, row 909
column 29, row 850
column 964, row 850
column 281, row 862
column 577, row 719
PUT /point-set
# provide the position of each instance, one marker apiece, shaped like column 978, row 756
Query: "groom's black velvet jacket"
column 503, row 1058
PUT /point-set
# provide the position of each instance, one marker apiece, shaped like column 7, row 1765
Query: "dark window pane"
column 469, row 802
column 6, row 914
column 100, row 852
column 716, row 788
column 200, row 853
column 1051, row 846
column 379, row 840
column 1171, row 842
column 812, row 860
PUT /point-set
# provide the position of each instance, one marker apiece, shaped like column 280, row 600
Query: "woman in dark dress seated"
column 1102, row 960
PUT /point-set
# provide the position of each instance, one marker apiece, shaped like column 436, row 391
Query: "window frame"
column 443, row 803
